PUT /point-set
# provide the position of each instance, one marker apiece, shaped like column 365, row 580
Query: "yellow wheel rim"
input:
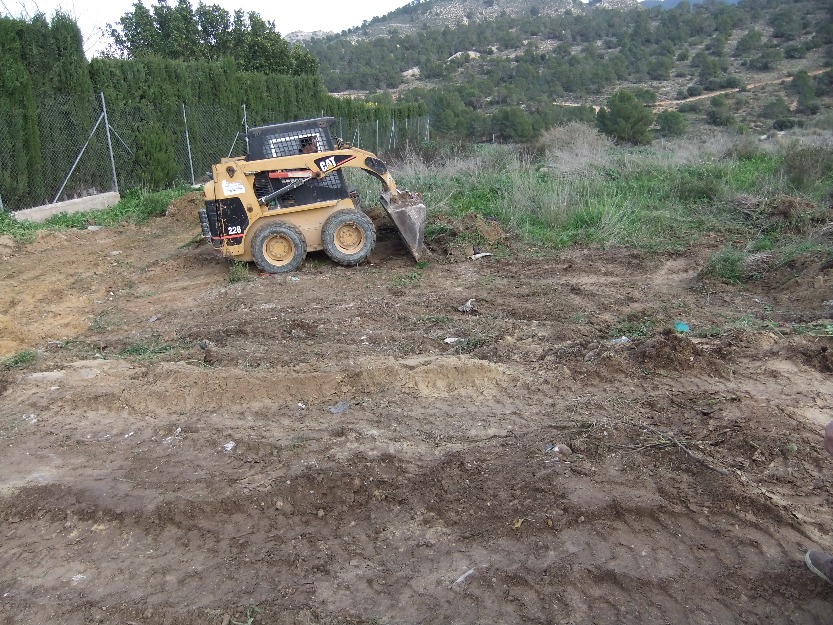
column 349, row 238
column 278, row 250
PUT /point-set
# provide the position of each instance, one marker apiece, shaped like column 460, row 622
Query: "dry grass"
column 576, row 148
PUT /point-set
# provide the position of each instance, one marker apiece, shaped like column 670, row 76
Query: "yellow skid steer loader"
column 288, row 196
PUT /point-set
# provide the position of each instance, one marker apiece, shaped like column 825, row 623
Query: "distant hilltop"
column 301, row 35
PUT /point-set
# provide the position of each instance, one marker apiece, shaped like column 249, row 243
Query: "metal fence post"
column 188, row 143
column 78, row 158
column 245, row 129
column 109, row 143
column 233, row 143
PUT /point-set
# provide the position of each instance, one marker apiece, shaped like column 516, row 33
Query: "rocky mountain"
column 303, row 35
column 421, row 15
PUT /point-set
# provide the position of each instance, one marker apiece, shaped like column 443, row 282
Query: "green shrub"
column 632, row 328
column 698, row 185
column 776, row 108
column 726, row 266
column 718, row 113
column 626, row 119
column 806, row 166
column 783, row 123
column 18, row 360
column 671, row 124
column 238, row 271
column 690, row 107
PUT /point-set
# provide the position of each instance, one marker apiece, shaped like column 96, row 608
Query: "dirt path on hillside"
column 666, row 104
column 314, row 449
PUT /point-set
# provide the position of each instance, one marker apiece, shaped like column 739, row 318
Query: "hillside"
column 437, row 14
column 469, row 61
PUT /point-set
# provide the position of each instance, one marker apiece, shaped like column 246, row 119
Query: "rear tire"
column 348, row 237
column 278, row 247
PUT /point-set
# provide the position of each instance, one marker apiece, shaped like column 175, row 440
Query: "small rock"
column 320, row 514
column 209, row 355
column 563, row 451
column 467, row 307
column 339, row 408
column 591, row 355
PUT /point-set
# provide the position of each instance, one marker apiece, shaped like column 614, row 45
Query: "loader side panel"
column 232, row 221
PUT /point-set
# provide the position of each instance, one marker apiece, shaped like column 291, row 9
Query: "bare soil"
column 310, row 449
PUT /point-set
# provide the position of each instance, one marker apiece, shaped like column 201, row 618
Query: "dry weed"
column 755, row 266
column 575, row 148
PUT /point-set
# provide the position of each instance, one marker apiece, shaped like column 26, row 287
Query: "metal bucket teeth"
column 407, row 212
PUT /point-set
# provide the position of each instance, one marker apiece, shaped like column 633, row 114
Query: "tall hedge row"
column 49, row 102
column 20, row 160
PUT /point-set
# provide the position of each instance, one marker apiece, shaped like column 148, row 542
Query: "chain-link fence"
column 81, row 149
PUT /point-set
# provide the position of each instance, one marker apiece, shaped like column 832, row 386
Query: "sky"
column 93, row 15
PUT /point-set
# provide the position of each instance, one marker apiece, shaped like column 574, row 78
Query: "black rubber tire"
column 278, row 247
column 348, row 237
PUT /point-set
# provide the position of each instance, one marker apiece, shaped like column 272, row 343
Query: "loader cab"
column 293, row 139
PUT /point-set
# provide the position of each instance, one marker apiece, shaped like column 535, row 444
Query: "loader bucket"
column 407, row 212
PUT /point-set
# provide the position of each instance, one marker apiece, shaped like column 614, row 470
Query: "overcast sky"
column 93, row 15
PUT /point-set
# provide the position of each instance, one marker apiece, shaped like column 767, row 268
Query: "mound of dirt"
column 782, row 213
column 818, row 356
column 676, row 352
column 802, row 290
column 184, row 209
column 466, row 235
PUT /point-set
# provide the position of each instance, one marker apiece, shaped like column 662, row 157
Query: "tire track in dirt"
column 611, row 553
column 123, row 500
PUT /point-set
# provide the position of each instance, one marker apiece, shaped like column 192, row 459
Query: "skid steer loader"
column 288, row 196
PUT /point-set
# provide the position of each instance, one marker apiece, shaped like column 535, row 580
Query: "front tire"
column 278, row 247
column 348, row 237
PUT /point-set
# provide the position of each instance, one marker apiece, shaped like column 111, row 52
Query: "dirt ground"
column 315, row 448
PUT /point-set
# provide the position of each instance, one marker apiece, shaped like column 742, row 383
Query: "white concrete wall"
column 90, row 203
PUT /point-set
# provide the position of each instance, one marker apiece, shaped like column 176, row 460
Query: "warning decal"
column 233, row 188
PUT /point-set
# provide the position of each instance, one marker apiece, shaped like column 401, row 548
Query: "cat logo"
column 326, row 164
column 331, row 162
